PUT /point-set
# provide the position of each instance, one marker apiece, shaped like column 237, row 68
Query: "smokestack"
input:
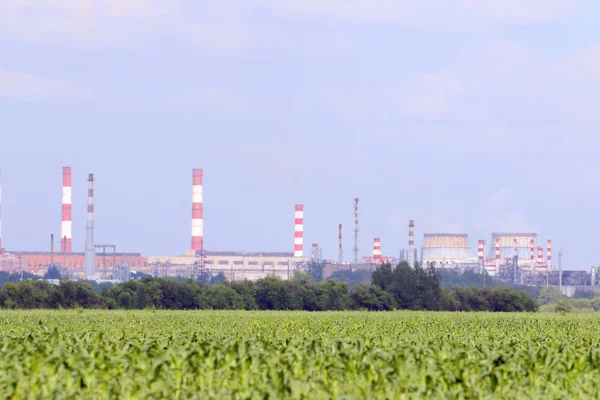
column 480, row 246
column 299, row 230
column 497, row 254
column 549, row 255
column 540, row 256
column 315, row 252
column 411, row 243
column 340, row 250
column 90, row 248
column 377, row 250
column 197, row 211
column 66, row 225
column 532, row 252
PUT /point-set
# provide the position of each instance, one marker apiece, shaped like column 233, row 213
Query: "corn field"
column 297, row 355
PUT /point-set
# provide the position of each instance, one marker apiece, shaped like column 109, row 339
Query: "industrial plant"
column 514, row 257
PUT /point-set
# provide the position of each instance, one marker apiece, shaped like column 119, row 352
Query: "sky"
column 466, row 116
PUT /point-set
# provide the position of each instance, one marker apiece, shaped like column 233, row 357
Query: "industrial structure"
column 90, row 246
column 447, row 250
column 66, row 223
column 515, row 257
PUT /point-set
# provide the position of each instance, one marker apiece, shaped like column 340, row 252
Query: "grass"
column 256, row 355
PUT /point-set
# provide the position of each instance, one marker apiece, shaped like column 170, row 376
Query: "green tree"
column 316, row 271
column 549, row 295
column 564, row 306
column 52, row 273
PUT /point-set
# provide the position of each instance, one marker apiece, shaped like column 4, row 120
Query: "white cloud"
column 20, row 86
column 494, row 85
column 432, row 15
column 238, row 25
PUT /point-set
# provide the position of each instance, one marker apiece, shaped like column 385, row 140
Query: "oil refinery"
column 517, row 257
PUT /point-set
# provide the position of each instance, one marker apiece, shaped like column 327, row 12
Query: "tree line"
column 390, row 288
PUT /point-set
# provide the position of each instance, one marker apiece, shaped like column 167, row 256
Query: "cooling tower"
column 523, row 246
column 447, row 249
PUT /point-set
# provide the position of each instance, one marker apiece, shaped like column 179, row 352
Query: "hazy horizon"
column 468, row 117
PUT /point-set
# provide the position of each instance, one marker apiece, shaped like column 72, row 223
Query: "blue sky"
column 467, row 116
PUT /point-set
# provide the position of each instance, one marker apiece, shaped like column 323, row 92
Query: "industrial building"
column 92, row 264
column 515, row 257
column 447, row 250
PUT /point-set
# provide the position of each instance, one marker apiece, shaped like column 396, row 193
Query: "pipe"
column 298, row 230
column 66, row 224
column 197, row 211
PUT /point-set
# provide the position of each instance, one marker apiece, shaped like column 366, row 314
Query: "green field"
column 257, row 355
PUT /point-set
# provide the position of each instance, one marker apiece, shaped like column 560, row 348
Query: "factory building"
column 37, row 262
column 517, row 257
column 447, row 250
column 235, row 265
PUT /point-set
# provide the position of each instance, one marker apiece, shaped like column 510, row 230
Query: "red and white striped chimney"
column 480, row 253
column 516, row 247
column 66, row 224
column 532, row 252
column 340, row 249
column 377, row 250
column 497, row 254
column 299, row 230
column 540, row 257
column 549, row 255
column 197, row 211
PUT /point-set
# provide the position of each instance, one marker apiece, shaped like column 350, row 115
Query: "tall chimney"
column 540, row 256
column 377, row 250
column 315, row 252
column 480, row 246
column 66, row 225
column 411, row 243
column 549, row 255
column 532, row 253
column 340, row 249
column 299, row 230
column 197, row 211
column 497, row 255
column 90, row 248
column 515, row 242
